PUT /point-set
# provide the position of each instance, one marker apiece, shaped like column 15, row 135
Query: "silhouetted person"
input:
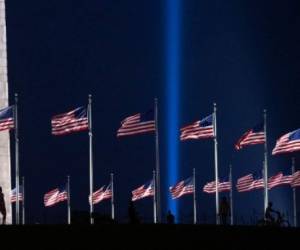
column 170, row 218
column 2, row 206
column 224, row 211
column 268, row 214
column 133, row 216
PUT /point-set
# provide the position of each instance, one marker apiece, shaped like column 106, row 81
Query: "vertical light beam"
column 172, row 93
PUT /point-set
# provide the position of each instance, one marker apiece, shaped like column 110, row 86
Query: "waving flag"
column 182, row 188
column 257, row 184
column 137, row 124
column 13, row 197
column 198, row 130
column 253, row 136
column 73, row 121
column 279, row 180
column 55, row 196
column 102, row 194
column 244, row 183
column 7, row 118
column 295, row 179
column 210, row 187
column 143, row 191
column 288, row 143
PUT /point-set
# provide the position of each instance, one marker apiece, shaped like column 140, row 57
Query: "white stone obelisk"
column 5, row 172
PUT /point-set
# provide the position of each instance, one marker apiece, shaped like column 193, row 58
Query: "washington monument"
column 5, row 169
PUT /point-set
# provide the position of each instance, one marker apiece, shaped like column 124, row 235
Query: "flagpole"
column 69, row 199
column 112, row 197
column 294, row 195
column 266, row 196
column 194, row 196
column 17, row 159
column 216, row 163
column 157, row 179
column 154, row 199
column 91, row 157
column 231, row 196
column 23, row 202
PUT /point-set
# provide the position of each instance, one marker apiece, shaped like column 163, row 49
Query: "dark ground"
column 147, row 236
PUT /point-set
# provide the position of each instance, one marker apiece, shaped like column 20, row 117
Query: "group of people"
column 271, row 216
column 170, row 218
column 224, row 214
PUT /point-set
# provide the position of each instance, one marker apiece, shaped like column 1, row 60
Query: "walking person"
column 2, row 207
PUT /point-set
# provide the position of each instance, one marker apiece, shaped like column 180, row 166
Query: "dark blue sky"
column 243, row 55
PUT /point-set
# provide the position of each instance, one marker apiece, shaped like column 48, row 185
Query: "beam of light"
column 172, row 94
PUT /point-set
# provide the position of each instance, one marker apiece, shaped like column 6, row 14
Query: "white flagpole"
column 112, row 197
column 294, row 196
column 91, row 157
column 266, row 196
column 154, row 199
column 264, row 193
column 69, row 199
column 23, row 202
column 216, row 162
column 157, row 179
column 194, row 196
column 231, row 197
column 17, row 159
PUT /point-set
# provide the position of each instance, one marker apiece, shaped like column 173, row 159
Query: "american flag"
column 244, row 183
column 198, row 130
column 7, row 118
column 295, row 179
column 279, row 180
column 73, row 121
column 137, row 124
column 288, row 143
column 13, row 197
column 182, row 188
column 143, row 191
column 257, row 184
column 210, row 187
column 55, row 196
column 102, row 194
column 253, row 136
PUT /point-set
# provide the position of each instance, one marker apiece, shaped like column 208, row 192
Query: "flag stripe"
column 279, row 180
column 210, row 187
column 198, row 130
column 182, row 188
column 295, row 179
column 143, row 191
column 101, row 194
column 134, row 125
column 7, row 118
column 287, row 143
column 55, row 196
column 251, row 137
column 73, row 121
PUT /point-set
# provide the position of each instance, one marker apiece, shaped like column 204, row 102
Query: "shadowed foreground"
column 147, row 236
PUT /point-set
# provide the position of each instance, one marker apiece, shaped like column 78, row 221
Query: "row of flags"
column 77, row 120
column 244, row 184
column 58, row 195
column 248, row 183
column 80, row 119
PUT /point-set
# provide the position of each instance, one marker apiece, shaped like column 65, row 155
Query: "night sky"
column 243, row 55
